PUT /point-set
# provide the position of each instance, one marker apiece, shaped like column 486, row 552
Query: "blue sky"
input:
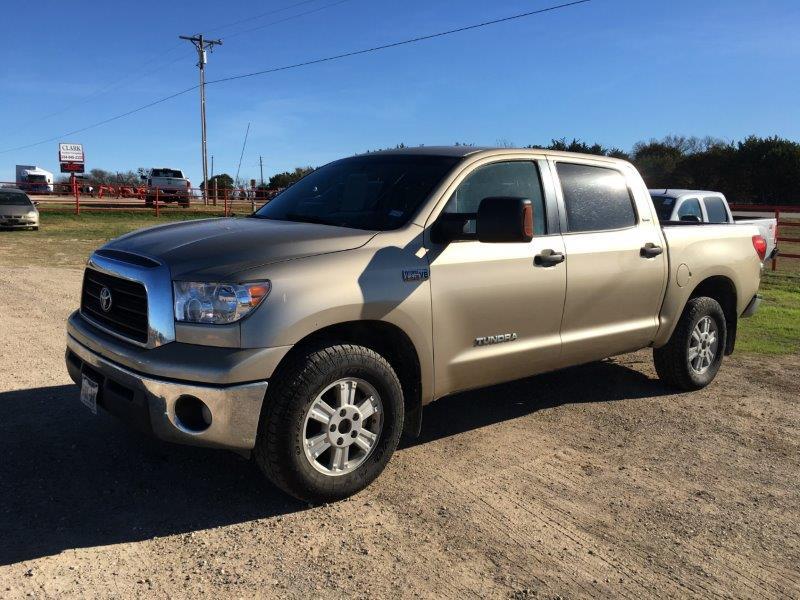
column 613, row 71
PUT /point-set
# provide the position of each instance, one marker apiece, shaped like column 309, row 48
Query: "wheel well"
column 722, row 289
column 389, row 341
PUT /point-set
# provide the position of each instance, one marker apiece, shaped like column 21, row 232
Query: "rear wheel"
column 693, row 355
column 331, row 421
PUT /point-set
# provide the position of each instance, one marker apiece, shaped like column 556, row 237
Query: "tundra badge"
column 495, row 339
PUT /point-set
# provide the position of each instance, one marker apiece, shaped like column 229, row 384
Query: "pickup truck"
column 311, row 334
column 168, row 185
column 698, row 206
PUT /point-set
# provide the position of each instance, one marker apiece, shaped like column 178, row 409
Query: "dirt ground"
column 593, row 482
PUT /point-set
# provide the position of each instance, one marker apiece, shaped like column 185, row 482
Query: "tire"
column 282, row 450
column 672, row 361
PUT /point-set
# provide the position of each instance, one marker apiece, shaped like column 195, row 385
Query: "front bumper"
column 18, row 222
column 149, row 404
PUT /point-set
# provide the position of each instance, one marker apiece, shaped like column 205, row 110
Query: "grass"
column 775, row 328
column 66, row 240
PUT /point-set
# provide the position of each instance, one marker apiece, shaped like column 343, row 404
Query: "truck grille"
column 127, row 314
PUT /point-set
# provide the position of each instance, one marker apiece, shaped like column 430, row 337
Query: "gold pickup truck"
column 312, row 333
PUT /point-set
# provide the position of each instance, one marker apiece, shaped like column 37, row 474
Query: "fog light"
column 192, row 414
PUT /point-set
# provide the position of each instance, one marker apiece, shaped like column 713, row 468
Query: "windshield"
column 378, row 192
column 14, row 199
column 664, row 206
column 166, row 173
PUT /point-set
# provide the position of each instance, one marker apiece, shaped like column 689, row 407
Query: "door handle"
column 549, row 258
column 650, row 250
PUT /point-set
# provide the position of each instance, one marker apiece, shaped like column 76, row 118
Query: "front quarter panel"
column 366, row 283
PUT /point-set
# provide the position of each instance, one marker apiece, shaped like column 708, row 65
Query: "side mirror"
column 504, row 219
column 36, row 203
column 690, row 219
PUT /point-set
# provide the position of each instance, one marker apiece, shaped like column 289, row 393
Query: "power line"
column 308, row 63
column 144, row 67
column 260, row 15
column 414, row 40
column 289, row 18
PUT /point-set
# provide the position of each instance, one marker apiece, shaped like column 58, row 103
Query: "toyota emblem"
column 105, row 299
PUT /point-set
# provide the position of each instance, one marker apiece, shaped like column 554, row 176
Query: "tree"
column 287, row 178
column 223, row 180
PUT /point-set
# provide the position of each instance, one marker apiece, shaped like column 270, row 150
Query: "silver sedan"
column 17, row 211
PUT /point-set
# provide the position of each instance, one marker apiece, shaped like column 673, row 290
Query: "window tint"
column 664, row 206
column 14, row 199
column 166, row 173
column 374, row 192
column 690, row 207
column 519, row 179
column 715, row 208
column 596, row 198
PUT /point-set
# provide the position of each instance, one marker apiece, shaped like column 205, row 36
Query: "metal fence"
column 776, row 210
column 82, row 197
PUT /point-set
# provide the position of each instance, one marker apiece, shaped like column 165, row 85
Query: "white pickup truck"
column 698, row 206
column 168, row 185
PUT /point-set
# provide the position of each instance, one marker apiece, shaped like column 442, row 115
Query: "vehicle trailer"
column 34, row 180
column 312, row 334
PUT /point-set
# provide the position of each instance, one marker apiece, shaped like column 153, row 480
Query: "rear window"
column 715, row 207
column 166, row 173
column 664, row 206
column 596, row 198
column 14, row 199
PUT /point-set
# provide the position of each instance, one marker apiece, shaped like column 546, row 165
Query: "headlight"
column 32, row 214
column 217, row 303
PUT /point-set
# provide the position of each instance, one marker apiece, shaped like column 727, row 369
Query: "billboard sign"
column 70, row 153
column 71, row 158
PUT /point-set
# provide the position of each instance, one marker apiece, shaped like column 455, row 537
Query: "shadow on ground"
column 69, row 479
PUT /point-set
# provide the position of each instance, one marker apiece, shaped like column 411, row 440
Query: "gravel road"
column 592, row 482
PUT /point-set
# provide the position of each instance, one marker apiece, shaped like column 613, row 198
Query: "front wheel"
column 693, row 355
column 331, row 421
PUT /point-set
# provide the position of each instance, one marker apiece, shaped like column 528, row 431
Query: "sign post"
column 71, row 158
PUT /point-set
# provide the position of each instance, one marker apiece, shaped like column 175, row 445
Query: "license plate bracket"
column 89, row 389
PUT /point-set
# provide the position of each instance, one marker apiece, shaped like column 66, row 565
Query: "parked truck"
column 34, row 180
column 312, row 334
column 698, row 206
column 167, row 185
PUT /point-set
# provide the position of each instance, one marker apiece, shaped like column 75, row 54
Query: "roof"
column 456, row 151
column 463, row 151
column 677, row 193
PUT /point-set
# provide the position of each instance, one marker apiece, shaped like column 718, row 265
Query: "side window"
column 519, row 179
column 690, row 207
column 596, row 198
column 715, row 208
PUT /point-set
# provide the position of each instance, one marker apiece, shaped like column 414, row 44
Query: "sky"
column 608, row 71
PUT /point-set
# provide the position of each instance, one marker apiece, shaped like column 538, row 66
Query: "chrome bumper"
column 752, row 307
column 150, row 404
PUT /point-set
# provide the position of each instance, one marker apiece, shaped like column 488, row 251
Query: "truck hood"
column 218, row 249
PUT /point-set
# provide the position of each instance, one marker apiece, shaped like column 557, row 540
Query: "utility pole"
column 261, row 166
column 202, row 44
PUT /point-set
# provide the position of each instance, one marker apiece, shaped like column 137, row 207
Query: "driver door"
column 496, row 312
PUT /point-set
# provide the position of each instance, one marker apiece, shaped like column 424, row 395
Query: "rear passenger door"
column 615, row 272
